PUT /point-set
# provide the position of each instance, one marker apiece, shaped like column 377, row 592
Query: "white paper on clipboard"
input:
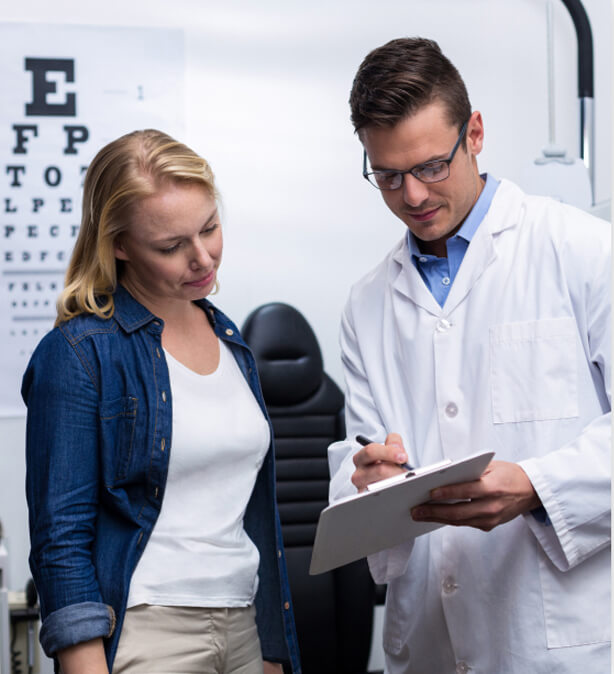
column 380, row 518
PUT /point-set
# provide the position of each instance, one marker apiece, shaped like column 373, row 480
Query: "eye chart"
column 67, row 91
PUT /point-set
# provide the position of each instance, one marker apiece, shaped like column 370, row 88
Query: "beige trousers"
column 186, row 640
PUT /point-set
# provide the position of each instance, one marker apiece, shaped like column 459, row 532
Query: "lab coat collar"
column 481, row 254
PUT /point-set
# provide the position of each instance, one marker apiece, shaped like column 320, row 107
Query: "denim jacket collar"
column 132, row 315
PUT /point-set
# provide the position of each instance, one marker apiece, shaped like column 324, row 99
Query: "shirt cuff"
column 541, row 516
column 75, row 624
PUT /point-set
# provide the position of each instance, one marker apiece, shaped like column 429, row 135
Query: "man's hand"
column 376, row 462
column 502, row 493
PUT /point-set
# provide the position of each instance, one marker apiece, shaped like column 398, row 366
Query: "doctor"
column 486, row 327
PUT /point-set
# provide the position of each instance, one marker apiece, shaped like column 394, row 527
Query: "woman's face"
column 172, row 247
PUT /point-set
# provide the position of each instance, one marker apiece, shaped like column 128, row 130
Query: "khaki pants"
column 186, row 640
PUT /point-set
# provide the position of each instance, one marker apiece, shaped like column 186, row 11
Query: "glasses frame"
column 367, row 174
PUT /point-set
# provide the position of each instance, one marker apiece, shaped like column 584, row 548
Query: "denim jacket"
column 98, row 443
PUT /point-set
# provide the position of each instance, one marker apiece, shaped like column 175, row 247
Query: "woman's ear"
column 118, row 249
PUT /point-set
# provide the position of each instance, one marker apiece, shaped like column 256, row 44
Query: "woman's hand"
column 272, row 668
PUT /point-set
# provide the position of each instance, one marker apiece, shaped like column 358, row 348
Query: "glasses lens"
column 385, row 180
column 432, row 172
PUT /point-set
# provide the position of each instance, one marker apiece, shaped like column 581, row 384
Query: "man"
column 486, row 327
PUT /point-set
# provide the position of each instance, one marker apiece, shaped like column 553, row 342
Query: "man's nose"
column 415, row 192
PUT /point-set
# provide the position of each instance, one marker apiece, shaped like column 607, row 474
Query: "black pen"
column 362, row 440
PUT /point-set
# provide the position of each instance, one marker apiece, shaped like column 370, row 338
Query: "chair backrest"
column 333, row 611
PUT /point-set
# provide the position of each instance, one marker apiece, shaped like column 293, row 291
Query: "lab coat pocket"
column 533, row 370
column 117, row 423
column 576, row 604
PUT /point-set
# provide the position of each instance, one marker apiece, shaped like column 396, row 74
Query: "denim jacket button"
column 229, row 332
column 163, row 396
column 287, row 606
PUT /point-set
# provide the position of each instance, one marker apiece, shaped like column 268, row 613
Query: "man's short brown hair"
column 399, row 78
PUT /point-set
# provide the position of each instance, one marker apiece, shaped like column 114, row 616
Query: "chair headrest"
column 287, row 353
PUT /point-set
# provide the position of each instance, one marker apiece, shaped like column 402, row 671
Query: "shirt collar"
column 472, row 221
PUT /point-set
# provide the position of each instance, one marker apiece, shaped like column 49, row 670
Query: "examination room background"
column 267, row 85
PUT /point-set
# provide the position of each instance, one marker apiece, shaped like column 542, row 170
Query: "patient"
column 150, row 477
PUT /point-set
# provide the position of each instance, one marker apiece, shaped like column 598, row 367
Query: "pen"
column 362, row 440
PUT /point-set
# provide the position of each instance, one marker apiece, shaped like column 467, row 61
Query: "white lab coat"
column 517, row 361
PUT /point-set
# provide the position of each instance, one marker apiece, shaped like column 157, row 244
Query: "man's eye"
column 433, row 170
column 386, row 179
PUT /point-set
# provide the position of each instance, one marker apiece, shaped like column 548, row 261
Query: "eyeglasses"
column 430, row 172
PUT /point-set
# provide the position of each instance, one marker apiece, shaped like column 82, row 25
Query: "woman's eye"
column 172, row 249
column 209, row 229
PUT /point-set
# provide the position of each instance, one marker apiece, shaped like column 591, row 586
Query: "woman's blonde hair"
column 123, row 173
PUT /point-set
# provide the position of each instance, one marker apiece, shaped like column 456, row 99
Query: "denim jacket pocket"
column 117, row 424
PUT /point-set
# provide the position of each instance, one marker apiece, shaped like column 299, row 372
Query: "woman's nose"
column 201, row 258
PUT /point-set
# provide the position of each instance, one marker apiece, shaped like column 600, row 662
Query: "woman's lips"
column 203, row 281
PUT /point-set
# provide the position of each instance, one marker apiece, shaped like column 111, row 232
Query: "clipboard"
column 379, row 518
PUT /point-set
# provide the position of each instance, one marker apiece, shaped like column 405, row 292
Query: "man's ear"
column 475, row 133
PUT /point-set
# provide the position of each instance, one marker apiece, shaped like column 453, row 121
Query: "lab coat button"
column 449, row 585
column 451, row 410
column 443, row 325
column 462, row 668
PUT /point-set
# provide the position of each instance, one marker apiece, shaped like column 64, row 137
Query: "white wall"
column 268, row 84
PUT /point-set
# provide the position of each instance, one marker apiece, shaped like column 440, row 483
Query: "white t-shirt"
column 199, row 553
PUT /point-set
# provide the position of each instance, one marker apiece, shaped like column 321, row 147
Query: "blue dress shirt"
column 438, row 273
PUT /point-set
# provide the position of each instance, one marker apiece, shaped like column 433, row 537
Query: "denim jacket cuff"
column 75, row 624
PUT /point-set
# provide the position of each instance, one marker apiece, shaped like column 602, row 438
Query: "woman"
column 150, row 477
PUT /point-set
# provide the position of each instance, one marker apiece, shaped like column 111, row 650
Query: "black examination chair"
column 333, row 611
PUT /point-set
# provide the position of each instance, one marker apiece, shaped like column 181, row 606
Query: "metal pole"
column 585, row 86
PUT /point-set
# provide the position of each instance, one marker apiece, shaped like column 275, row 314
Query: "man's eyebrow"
column 422, row 163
